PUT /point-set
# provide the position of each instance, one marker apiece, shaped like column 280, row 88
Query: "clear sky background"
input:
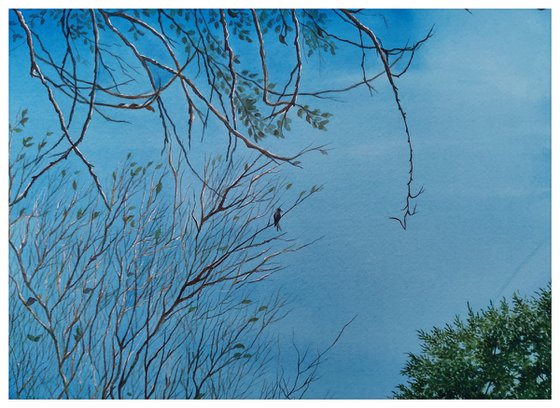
column 478, row 103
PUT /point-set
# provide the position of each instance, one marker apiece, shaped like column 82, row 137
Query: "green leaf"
column 34, row 338
column 74, row 185
column 158, row 234
column 30, row 301
column 78, row 334
column 94, row 215
column 239, row 346
column 253, row 319
column 288, row 186
column 262, row 308
column 245, row 301
column 158, row 187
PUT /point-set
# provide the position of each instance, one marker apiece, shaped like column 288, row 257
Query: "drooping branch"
column 35, row 71
column 243, row 102
column 408, row 209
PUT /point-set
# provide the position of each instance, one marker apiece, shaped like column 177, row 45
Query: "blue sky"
column 478, row 102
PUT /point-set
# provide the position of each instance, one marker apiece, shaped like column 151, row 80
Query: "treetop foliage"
column 502, row 352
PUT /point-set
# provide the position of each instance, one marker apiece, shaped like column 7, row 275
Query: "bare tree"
column 148, row 299
column 140, row 283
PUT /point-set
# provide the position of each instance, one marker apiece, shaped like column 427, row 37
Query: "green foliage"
column 502, row 352
column 78, row 334
column 33, row 338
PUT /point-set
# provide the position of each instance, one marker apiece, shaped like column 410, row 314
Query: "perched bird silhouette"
column 277, row 216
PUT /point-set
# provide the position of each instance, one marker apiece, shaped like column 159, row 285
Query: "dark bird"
column 277, row 216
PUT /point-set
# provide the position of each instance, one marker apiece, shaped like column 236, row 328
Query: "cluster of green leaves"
column 314, row 36
column 239, row 347
column 240, row 22
column 27, row 141
column 203, row 34
column 276, row 20
column 36, row 18
column 315, row 117
column 258, row 125
column 503, row 352
column 21, row 120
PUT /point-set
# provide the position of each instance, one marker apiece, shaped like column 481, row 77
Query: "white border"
column 446, row 4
